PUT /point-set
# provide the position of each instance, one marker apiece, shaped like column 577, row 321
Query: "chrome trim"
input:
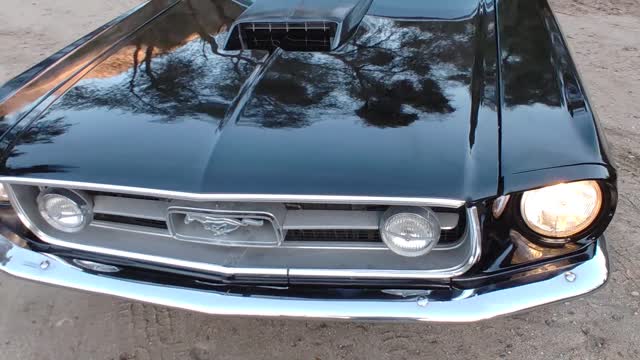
column 473, row 228
column 468, row 306
column 96, row 266
column 332, row 199
column 131, row 228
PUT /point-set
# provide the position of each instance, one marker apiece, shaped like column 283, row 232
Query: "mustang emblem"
column 221, row 225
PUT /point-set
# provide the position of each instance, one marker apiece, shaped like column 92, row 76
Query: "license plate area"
column 225, row 227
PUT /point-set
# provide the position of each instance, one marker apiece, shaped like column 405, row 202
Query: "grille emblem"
column 228, row 227
column 220, row 225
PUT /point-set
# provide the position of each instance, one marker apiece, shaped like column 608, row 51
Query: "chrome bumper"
column 467, row 306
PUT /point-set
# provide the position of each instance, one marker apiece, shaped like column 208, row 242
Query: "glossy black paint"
column 456, row 99
column 549, row 131
column 411, row 106
column 407, row 108
column 23, row 98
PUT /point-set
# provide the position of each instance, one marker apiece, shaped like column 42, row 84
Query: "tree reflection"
column 384, row 105
column 38, row 133
column 391, row 74
column 531, row 77
column 172, row 69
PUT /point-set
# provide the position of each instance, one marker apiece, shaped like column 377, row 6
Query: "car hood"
column 406, row 108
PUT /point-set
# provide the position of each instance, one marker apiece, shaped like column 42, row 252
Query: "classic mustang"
column 359, row 159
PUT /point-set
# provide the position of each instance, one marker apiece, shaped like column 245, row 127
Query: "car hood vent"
column 296, row 25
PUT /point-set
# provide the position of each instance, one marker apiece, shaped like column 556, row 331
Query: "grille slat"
column 333, row 235
column 156, row 224
column 369, row 236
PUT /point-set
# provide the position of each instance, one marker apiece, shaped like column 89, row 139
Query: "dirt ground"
column 40, row 322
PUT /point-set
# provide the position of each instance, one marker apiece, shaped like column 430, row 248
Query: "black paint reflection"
column 173, row 69
column 405, row 99
column 38, row 134
column 547, row 123
column 390, row 75
column 539, row 67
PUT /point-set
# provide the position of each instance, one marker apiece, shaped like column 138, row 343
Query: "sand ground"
column 40, row 322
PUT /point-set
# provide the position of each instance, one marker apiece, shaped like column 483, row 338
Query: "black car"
column 358, row 159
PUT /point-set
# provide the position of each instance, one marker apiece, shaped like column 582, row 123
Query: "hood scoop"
column 296, row 25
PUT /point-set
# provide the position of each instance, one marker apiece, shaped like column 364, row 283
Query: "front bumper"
column 465, row 306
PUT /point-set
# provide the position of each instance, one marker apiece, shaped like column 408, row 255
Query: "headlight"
column 562, row 210
column 410, row 231
column 65, row 210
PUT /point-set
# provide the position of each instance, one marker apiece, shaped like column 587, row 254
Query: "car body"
column 258, row 178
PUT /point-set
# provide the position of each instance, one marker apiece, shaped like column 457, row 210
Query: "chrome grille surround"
column 337, row 258
column 319, row 199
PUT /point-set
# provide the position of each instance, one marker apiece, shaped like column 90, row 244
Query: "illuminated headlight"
column 65, row 210
column 410, row 231
column 562, row 210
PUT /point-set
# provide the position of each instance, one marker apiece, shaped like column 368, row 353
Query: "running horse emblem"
column 221, row 225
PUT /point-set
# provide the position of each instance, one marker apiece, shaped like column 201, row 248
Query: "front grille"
column 316, row 236
column 297, row 235
column 313, row 239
